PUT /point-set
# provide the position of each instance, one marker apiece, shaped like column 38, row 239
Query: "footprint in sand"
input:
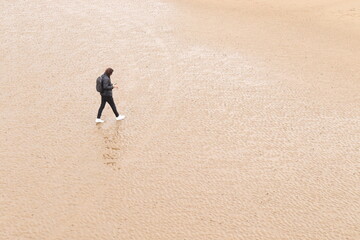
column 111, row 148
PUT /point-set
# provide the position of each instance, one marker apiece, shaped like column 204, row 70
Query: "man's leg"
column 110, row 100
column 102, row 105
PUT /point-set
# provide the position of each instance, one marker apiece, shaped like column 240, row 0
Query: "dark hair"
column 109, row 71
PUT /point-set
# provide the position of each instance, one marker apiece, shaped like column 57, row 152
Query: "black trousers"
column 104, row 100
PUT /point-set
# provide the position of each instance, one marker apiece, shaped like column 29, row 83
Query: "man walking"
column 105, row 87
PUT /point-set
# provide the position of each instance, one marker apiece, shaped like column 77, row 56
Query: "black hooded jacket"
column 107, row 86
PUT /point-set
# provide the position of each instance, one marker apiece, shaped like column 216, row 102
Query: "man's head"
column 108, row 72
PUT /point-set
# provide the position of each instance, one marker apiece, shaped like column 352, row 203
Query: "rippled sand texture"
column 243, row 120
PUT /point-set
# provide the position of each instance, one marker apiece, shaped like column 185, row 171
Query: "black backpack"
column 99, row 86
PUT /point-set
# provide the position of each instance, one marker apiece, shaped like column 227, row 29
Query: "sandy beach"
column 242, row 120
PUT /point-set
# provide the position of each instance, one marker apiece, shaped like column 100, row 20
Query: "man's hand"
column 115, row 86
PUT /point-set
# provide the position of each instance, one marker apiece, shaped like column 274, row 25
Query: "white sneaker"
column 98, row 120
column 120, row 117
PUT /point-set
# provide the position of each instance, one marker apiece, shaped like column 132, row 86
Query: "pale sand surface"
column 243, row 120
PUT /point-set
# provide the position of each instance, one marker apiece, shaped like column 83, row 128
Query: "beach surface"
column 242, row 120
